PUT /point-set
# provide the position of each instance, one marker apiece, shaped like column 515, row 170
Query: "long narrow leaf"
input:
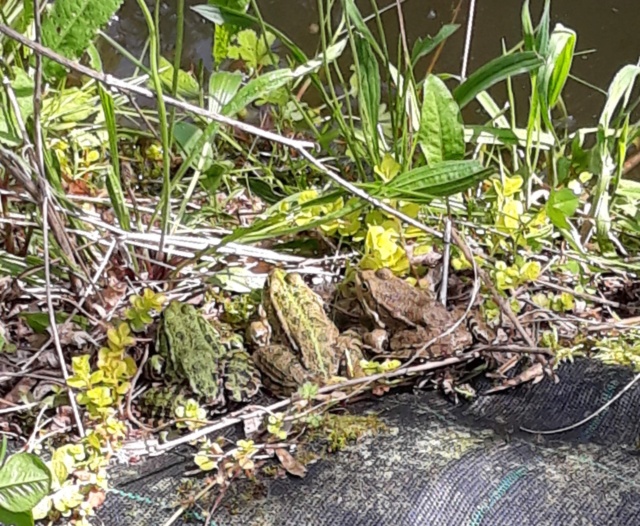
column 425, row 46
column 355, row 17
column 444, row 179
column 493, row 72
column 368, row 93
column 114, row 188
column 554, row 73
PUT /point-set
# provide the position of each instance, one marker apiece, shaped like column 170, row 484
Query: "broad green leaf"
column 220, row 15
column 554, row 73
column 561, row 205
column 9, row 518
column 39, row 321
column 189, row 137
column 441, row 135
column 629, row 188
column 187, row 85
column 258, row 88
column 71, row 25
column 493, row 72
column 24, row 481
column 223, row 86
column 425, row 182
column 368, row 76
column 425, row 46
column 504, row 136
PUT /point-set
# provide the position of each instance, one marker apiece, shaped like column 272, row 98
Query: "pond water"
column 607, row 30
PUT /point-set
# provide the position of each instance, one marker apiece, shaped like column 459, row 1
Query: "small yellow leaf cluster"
column 76, row 471
column 562, row 302
column 620, row 350
column 388, row 168
column 142, row 307
column 209, row 456
column 104, row 387
column 373, row 367
column 275, row 426
column 192, row 412
column 244, row 453
column 347, row 225
column 510, row 209
column 509, row 277
column 383, row 248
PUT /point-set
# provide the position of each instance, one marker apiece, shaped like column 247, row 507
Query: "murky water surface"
column 608, row 36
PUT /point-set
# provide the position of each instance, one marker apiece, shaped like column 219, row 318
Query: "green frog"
column 295, row 339
column 406, row 317
column 208, row 359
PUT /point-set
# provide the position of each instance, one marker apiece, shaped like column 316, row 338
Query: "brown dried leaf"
column 290, row 463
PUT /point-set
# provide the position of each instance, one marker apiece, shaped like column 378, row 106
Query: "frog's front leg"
column 349, row 345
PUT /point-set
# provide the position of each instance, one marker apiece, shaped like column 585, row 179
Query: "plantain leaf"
column 441, row 180
column 9, row 518
column 493, row 72
column 187, row 85
column 440, row 135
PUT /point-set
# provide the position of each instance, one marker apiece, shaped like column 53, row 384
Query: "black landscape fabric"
column 438, row 464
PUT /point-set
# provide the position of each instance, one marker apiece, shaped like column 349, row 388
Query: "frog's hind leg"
column 242, row 379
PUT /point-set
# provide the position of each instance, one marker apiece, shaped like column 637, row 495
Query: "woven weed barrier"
column 435, row 463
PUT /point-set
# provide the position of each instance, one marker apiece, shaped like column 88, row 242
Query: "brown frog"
column 406, row 317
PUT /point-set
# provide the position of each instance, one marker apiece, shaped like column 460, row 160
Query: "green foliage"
column 187, row 86
column 252, row 49
column 340, row 430
column 22, row 86
column 71, row 25
column 620, row 350
column 142, row 308
column 561, row 205
column 103, row 388
column 24, row 481
column 275, row 425
column 441, row 136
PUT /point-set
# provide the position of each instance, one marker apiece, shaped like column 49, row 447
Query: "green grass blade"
column 114, row 188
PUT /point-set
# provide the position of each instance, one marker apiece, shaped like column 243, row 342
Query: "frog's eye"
column 365, row 286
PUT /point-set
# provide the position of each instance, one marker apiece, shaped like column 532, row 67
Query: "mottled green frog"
column 208, row 359
column 295, row 339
